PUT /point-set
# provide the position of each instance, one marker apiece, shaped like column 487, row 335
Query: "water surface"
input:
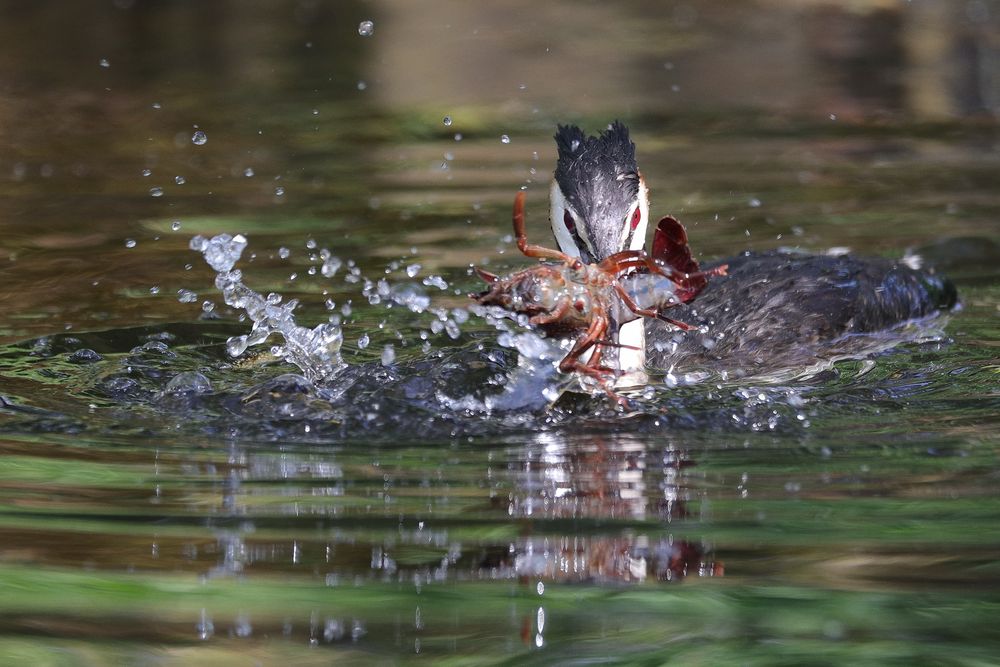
column 846, row 516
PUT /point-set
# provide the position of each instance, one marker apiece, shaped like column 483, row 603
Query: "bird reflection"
column 598, row 481
column 588, row 509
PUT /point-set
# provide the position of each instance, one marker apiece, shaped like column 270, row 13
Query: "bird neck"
column 633, row 335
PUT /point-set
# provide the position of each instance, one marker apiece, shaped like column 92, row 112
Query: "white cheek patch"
column 627, row 227
column 639, row 237
column 581, row 232
column 558, row 206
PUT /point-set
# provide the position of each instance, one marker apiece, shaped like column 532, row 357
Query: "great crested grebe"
column 774, row 310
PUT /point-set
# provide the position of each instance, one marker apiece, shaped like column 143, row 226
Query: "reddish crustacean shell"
column 582, row 300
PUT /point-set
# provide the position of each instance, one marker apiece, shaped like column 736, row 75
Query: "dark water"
column 849, row 516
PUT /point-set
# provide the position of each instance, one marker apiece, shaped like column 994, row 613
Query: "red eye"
column 569, row 222
column 636, row 218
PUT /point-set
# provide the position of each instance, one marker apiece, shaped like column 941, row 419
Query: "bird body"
column 774, row 310
column 778, row 310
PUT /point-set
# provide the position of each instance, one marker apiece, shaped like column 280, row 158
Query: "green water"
column 847, row 518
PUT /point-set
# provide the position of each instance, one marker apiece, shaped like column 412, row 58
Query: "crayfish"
column 590, row 301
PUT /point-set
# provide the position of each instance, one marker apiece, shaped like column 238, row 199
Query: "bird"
column 774, row 311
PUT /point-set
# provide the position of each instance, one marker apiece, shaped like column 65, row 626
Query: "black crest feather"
column 599, row 177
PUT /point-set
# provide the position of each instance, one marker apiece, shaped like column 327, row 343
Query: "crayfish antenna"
column 683, row 326
column 486, row 275
column 611, row 343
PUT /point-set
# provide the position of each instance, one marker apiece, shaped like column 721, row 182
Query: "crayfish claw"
column 486, row 275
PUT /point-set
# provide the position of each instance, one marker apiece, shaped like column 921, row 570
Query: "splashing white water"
column 316, row 351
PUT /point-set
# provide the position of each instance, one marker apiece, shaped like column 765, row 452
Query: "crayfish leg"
column 548, row 318
column 592, row 368
column 622, row 260
column 531, row 250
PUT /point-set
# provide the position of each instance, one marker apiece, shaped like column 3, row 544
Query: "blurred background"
column 756, row 119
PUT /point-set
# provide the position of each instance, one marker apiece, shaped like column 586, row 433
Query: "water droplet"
column 754, row 202
column 147, row 172
column 186, row 296
column 315, row 112
column 366, row 28
column 156, row 192
column 155, row 289
column 205, row 627
column 105, row 62
column 157, row 105
column 284, row 253
column 447, row 121
column 412, row 270
column 279, row 191
column 188, row 382
column 199, row 138
column 458, row 136
column 223, row 251
column 330, row 267
column 180, row 180
column 388, row 355
column 236, row 345
column 436, row 281
column 363, row 341
column 504, row 139
column 362, row 85
column 129, row 243
column 248, row 172
column 175, row 225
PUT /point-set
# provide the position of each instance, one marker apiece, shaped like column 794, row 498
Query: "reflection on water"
column 605, row 478
column 163, row 502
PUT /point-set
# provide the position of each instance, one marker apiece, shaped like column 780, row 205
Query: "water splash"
column 315, row 351
column 534, row 383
